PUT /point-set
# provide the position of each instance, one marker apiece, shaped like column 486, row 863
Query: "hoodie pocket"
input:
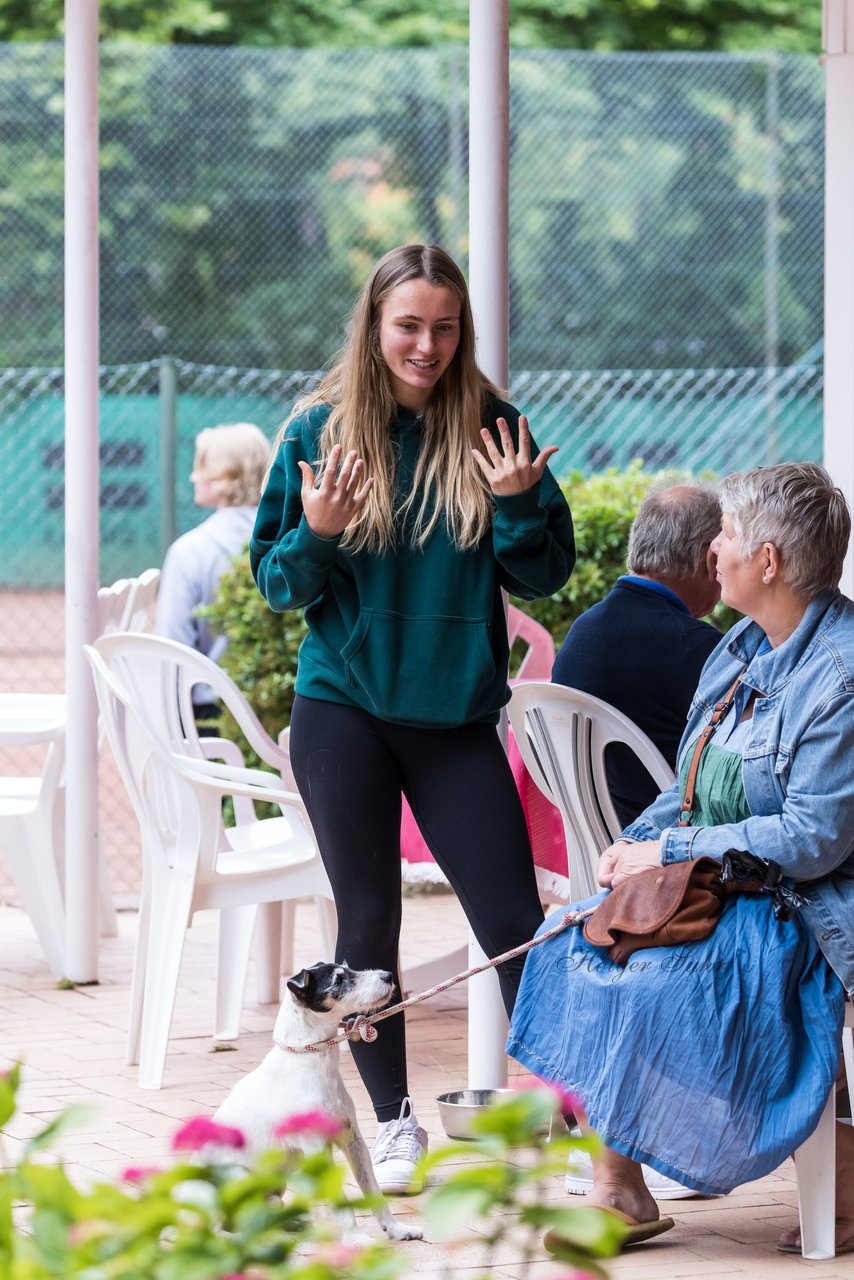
column 422, row 670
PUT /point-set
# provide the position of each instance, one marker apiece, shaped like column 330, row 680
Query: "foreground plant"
column 198, row 1219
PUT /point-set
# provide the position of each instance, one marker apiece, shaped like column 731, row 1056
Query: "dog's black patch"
column 318, row 986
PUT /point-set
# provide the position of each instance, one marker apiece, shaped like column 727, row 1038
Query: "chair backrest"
column 179, row 823
column 539, row 658
column 161, row 675
column 562, row 735
column 143, row 597
column 114, row 605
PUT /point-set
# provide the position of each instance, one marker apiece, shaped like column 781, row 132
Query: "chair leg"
column 236, row 927
column 170, row 919
column 275, row 919
column 487, row 1026
column 137, row 981
column 106, row 907
column 28, row 846
column 848, row 1058
column 289, row 911
column 328, row 922
column 815, row 1165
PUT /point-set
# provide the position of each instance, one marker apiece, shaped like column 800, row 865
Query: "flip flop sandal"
column 638, row 1232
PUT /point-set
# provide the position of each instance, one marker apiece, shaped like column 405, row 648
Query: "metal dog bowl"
column 458, row 1108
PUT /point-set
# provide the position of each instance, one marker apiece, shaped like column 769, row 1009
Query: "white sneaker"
column 398, row 1147
column 579, row 1179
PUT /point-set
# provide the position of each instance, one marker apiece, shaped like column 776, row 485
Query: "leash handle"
column 362, row 1027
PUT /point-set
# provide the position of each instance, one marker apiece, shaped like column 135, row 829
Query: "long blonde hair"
column 447, row 483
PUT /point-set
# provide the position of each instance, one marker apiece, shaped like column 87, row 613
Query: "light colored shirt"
column 190, row 577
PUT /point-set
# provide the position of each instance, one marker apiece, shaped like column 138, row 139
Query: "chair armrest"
column 232, row 781
column 222, row 749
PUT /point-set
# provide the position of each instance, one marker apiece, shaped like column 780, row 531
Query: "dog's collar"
column 322, row 1046
column 359, row 1027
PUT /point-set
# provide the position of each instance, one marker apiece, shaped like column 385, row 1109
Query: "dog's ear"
column 301, row 985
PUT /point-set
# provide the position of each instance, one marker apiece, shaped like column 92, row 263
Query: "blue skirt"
column 711, row 1062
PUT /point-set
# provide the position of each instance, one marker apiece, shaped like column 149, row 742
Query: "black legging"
column 351, row 770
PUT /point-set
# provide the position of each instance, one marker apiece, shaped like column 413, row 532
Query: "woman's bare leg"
column 618, row 1184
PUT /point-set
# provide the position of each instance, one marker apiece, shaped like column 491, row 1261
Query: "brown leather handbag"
column 659, row 907
column 682, row 901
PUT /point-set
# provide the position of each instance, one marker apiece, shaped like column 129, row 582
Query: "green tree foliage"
column 790, row 25
column 245, row 194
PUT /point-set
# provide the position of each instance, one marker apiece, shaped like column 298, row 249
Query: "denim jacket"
column 798, row 767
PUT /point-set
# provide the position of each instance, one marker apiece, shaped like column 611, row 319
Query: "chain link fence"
column 666, row 209
column 666, row 271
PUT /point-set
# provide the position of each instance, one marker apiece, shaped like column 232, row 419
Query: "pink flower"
column 319, row 1124
column 573, row 1275
column 339, row 1255
column 569, row 1103
column 138, row 1173
column 200, row 1130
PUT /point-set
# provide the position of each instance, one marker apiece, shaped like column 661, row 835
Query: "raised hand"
column 508, row 470
column 330, row 506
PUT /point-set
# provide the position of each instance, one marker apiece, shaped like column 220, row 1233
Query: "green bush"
column 262, row 646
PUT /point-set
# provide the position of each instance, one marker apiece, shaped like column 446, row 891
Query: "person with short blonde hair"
column 228, row 469
column 712, row 1061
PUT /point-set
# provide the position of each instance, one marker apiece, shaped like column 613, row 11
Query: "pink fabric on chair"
column 545, row 826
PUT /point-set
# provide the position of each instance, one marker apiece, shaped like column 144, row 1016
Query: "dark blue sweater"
column 642, row 652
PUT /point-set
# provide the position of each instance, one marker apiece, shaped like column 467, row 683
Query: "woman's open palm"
column 330, row 506
column 510, row 470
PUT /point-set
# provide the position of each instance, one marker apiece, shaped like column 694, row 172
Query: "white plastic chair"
column 142, row 598
column 562, row 735
column 191, row 861
column 815, row 1166
column 114, row 605
column 31, row 811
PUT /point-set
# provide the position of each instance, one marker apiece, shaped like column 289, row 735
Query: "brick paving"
column 73, row 1046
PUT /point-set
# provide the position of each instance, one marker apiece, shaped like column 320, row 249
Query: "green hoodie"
column 415, row 636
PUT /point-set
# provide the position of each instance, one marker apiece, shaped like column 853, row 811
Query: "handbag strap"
column 720, row 710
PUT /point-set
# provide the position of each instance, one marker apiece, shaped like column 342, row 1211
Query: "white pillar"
column 489, row 186
column 81, row 482
column 838, row 40
column 489, row 183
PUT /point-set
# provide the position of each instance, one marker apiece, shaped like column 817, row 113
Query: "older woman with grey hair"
column 712, row 1061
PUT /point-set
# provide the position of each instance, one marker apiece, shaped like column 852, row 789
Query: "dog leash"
column 362, row 1028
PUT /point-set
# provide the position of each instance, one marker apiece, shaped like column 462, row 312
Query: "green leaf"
column 586, row 1228
column 451, row 1207
column 71, row 1118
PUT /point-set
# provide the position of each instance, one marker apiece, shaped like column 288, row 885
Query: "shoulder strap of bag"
column 720, row 710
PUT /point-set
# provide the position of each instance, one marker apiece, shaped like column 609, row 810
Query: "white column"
column 489, row 186
column 838, row 40
column 81, row 482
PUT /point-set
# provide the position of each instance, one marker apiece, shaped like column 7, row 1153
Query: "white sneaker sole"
column 580, row 1186
column 399, row 1187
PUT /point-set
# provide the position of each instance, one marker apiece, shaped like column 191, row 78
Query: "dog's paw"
column 397, row 1231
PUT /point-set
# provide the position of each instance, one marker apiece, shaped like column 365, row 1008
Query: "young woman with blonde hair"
column 403, row 495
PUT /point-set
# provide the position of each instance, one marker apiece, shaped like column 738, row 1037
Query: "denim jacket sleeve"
column 813, row 833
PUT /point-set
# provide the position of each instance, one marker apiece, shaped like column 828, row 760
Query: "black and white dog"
column 286, row 1083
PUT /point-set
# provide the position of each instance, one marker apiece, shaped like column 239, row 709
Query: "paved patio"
column 72, row 1043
